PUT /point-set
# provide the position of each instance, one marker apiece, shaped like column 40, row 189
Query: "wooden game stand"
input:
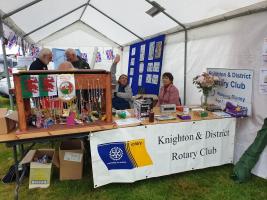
column 81, row 77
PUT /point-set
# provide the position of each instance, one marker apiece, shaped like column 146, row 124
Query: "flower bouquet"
column 205, row 82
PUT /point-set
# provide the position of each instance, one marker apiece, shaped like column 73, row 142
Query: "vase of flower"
column 204, row 100
column 205, row 82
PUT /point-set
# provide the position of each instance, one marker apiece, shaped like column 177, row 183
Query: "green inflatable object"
column 241, row 171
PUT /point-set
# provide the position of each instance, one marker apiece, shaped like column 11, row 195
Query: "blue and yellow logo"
column 124, row 155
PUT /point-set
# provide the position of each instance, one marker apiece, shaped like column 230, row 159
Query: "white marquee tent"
column 208, row 33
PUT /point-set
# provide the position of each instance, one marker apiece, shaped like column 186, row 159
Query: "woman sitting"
column 122, row 95
column 168, row 94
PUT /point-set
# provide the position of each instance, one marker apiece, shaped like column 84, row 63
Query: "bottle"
column 151, row 117
column 186, row 110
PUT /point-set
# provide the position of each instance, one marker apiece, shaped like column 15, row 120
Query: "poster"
column 140, row 80
column 155, row 79
column 263, row 81
column 133, row 51
column 129, row 154
column 66, row 86
column 131, row 71
column 151, row 50
column 158, row 49
column 132, row 61
column 142, row 52
column 148, row 78
column 141, row 68
column 130, row 81
column 235, row 88
column 149, row 67
column 156, row 67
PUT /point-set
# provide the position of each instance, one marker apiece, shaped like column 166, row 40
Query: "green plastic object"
column 203, row 114
column 122, row 115
column 242, row 169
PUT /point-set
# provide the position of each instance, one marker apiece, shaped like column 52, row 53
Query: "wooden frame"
column 104, row 77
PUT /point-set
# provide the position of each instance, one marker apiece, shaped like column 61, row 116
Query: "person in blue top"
column 122, row 94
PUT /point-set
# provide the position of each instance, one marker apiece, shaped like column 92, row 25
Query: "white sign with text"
column 236, row 88
column 136, row 153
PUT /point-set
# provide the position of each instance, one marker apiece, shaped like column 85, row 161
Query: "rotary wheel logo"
column 66, row 87
column 115, row 153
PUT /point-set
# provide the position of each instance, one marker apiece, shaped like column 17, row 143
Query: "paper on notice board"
column 141, row 67
column 132, row 61
column 142, row 52
column 131, row 71
column 151, row 50
column 158, row 49
column 130, row 81
column 149, row 67
column 263, row 81
column 140, row 80
column 133, row 52
column 148, row 78
column 156, row 67
column 155, row 79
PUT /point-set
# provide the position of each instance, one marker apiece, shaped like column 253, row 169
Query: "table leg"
column 16, row 195
column 21, row 151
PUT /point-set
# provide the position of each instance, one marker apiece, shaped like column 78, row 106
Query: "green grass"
column 207, row 184
column 4, row 102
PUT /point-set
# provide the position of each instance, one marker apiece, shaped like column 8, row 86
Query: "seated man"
column 44, row 57
column 76, row 61
column 122, row 95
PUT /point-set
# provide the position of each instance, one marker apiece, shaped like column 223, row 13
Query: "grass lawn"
column 207, row 184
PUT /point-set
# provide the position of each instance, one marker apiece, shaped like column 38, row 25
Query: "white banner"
column 236, row 88
column 136, row 153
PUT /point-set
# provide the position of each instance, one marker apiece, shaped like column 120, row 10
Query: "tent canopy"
column 121, row 21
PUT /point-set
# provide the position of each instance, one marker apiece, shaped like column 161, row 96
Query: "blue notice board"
column 145, row 63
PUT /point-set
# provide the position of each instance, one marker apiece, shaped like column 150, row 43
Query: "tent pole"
column 185, row 62
column 23, row 47
column 84, row 9
column 20, row 9
column 5, row 64
column 185, row 45
column 185, row 49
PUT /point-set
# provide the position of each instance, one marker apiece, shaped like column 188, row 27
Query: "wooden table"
column 34, row 135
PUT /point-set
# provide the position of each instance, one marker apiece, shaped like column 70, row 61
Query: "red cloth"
column 168, row 95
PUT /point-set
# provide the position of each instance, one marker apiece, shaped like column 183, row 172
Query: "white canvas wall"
column 233, row 44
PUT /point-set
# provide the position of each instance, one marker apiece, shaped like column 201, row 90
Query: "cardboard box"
column 40, row 174
column 71, row 159
column 8, row 120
